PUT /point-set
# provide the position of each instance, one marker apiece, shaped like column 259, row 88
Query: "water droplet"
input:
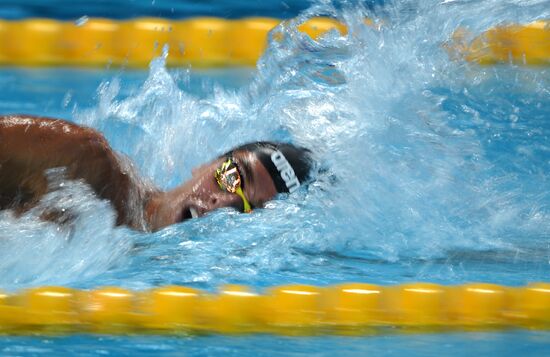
column 67, row 99
column 81, row 21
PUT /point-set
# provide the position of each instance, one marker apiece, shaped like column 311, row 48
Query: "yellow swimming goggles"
column 229, row 179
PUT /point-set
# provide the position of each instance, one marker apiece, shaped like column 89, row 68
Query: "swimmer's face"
column 202, row 193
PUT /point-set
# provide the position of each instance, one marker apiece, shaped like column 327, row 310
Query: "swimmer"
column 244, row 178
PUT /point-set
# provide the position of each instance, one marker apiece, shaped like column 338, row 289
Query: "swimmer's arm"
column 45, row 142
column 29, row 145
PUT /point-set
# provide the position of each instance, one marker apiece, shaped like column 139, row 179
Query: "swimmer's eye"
column 229, row 179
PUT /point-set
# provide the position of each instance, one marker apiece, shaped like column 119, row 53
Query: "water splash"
column 81, row 21
column 159, row 109
column 79, row 242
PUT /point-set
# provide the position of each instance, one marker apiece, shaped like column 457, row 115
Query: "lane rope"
column 351, row 308
column 207, row 41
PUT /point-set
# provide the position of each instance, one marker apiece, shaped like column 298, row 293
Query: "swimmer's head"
column 244, row 178
column 289, row 166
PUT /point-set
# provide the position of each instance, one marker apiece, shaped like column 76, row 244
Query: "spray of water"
column 70, row 247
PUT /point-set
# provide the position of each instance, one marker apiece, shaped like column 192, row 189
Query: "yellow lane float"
column 518, row 44
column 207, row 41
column 202, row 41
column 353, row 308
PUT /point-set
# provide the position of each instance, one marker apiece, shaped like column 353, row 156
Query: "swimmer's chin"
column 161, row 215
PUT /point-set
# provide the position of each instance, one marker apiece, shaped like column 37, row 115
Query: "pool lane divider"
column 201, row 41
column 298, row 310
column 208, row 42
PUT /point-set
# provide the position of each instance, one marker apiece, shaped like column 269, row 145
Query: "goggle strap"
column 240, row 193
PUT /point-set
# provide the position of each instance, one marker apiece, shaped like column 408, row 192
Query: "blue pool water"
column 174, row 9
column 430, row 170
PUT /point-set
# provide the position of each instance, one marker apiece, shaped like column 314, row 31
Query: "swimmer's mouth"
column 188, row 213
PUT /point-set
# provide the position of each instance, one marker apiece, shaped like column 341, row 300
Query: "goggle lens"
column 228, row 178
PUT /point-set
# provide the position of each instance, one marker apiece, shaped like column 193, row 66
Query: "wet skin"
column 30, row 145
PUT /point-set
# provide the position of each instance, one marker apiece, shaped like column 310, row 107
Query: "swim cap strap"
column 279, row 168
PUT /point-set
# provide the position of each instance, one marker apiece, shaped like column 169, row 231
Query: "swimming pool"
column 430, row 170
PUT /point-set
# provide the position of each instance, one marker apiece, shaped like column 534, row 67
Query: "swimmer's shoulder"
column 14, row 120
column 26, row 121
column 32, row 125
column 32, row 137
